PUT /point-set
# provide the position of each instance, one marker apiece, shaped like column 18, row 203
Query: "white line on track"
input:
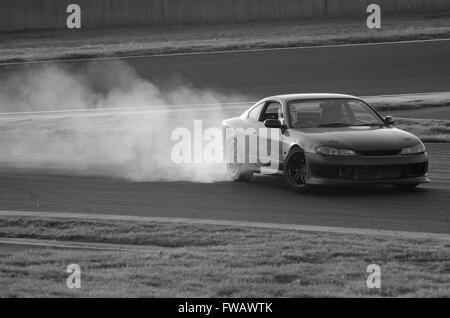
column 128, row 57
column 297, row 227
column 77, row 245
column 182, row 107
column 119, row 109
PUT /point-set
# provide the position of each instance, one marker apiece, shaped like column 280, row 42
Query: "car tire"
column 237, row 171
column 406, row 187
column 295, row 170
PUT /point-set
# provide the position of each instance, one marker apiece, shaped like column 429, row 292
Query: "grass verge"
column 428, row 130
column 66, row 44
column 434, row 128
column 405, row 102
column 202, row 261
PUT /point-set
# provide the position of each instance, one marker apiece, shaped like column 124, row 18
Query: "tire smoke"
column 59, row 123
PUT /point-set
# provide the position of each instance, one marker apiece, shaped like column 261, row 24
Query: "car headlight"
column 419, row 148
column 330, row 151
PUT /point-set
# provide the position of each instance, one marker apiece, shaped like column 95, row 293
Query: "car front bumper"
column 339, row 170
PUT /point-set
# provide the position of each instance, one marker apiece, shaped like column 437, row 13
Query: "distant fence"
column 50, row 14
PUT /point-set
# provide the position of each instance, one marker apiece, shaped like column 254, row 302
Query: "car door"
column 270, row 139
column 250, row 140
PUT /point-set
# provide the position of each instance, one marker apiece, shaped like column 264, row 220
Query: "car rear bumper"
column 367, row 169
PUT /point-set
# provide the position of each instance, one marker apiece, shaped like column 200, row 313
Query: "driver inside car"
column 332, row 113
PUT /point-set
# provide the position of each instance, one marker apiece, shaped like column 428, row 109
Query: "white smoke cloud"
column 130, row 144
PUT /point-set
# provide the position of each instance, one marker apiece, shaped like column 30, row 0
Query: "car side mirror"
column 272, row 123
column 389, row 120
column 275, row 123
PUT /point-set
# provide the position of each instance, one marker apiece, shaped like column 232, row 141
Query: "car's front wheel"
column 295, row 170
column 237, row 169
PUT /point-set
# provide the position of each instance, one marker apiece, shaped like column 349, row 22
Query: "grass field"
column 435, row 127
column 428, row 130
column 409, row 102
column 65, row 44
column 202, row 261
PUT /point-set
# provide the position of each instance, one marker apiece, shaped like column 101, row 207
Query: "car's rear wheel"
column 295, row 170
column 237, row 169
column 406, row 187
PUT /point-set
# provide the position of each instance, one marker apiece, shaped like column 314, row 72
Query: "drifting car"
column 324, row 139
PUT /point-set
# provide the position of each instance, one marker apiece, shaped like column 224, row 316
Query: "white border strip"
column 152, row 108
column 80, row 245
column 128, row 57
column 297, row 227
column 183, row 107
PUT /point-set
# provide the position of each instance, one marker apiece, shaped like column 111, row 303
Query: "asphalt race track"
column 359, row 70
column 364, row 70
column 265, row 199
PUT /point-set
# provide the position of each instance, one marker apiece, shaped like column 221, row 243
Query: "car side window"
column 254, row 113
column 273, row 111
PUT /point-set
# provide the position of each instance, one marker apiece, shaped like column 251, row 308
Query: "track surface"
column 359, row 70
column 266, row 199
column 364, row 70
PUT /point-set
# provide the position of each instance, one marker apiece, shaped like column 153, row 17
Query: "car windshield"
column 331, row 113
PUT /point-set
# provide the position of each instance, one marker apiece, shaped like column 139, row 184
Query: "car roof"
column 289, row 97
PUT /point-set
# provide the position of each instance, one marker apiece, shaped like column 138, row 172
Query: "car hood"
column 359, row 138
